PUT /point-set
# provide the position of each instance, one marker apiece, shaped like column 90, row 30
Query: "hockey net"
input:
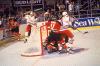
column 35, row 42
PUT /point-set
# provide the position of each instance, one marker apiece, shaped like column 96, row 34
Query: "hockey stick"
column 78, row 30
column 82, row 32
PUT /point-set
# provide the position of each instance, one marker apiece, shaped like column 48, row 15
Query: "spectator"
column 40, row 17
column 47, row 14
column 14, row 28
column 71, row 6
column 1, row 24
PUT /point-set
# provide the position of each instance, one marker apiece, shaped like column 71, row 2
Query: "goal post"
column 34, row 46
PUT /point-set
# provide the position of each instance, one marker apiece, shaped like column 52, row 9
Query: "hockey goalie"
column 60, row 38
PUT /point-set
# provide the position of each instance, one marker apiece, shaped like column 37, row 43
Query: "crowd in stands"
column 11, row 24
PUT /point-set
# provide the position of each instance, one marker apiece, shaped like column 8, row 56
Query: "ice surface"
column 87, row 54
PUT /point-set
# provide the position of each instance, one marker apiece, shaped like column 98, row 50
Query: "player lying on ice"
column 60, row 38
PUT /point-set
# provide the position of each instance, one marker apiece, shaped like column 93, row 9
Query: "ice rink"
column 86, row 54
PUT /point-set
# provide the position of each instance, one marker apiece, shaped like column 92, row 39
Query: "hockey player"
column 56, row 40
column 66, row 22
column 30, row 18
column 51, row 47
column 62, row 27
column 65, row 41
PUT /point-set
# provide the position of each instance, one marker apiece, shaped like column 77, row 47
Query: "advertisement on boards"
column 86, row 22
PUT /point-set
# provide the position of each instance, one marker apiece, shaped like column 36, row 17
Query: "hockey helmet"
column 31, row 12
column 64, row 13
